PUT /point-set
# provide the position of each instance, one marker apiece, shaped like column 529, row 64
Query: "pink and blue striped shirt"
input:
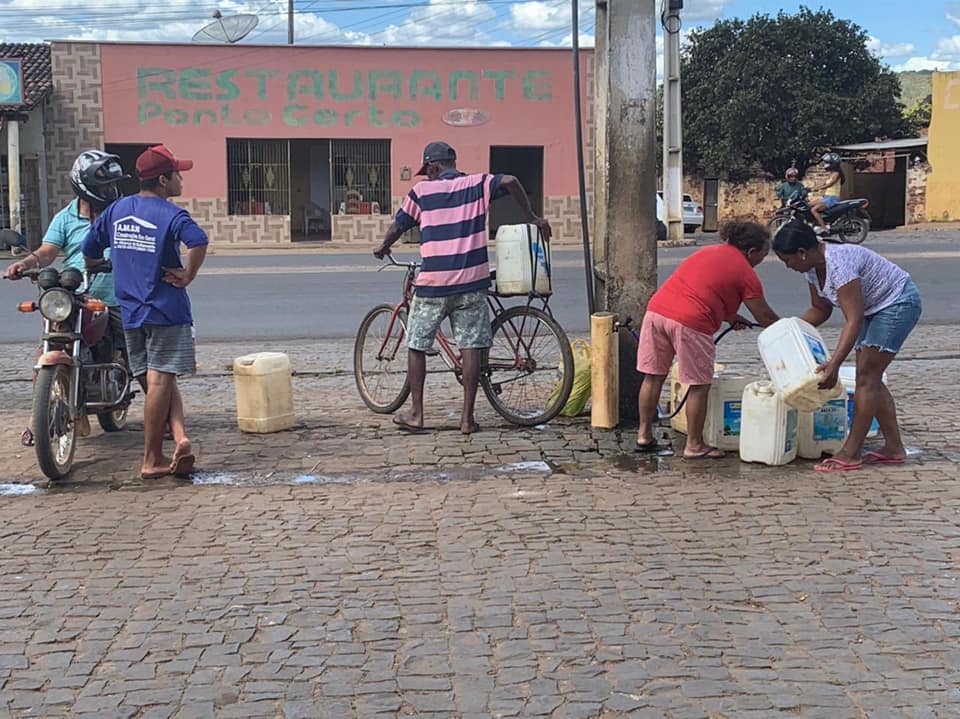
column 452, row 214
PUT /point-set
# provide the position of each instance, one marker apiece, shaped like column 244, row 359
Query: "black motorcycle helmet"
column 831, row 160
column 94, row 178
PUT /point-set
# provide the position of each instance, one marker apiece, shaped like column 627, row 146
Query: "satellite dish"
column 229, row 29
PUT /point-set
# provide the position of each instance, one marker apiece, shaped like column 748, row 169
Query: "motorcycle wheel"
column 55, row 432
column 115, row 421
column 853, row 230
column 777, row 222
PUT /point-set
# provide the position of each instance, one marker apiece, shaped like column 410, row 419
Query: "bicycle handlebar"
column 392, row 261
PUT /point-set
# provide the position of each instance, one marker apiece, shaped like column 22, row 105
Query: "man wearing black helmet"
column 93, row 177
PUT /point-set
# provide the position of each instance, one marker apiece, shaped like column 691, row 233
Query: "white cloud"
column 544, row 15
column 948, row 48
column 925, row 63
column 897, row 49
column 443, row 23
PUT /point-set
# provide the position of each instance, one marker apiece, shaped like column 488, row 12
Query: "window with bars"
column 258, row 177
column 360, row 172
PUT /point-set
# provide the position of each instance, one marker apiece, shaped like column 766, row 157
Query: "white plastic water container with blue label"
column 792, row 349
column 768, row 426
column 523, row 260
column 848, row 378
column 721, row 428
column 822, row 431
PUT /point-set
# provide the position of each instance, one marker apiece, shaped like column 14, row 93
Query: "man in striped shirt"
column 451, row 209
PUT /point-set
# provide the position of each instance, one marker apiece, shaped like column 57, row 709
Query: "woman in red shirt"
column 706, row 290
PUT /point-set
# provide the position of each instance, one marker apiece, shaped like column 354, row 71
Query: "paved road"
column 288, row 296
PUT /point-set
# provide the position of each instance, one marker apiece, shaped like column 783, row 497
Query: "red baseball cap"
column 158, row 160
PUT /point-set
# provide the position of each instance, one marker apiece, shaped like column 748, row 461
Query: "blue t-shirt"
column 144, row 234
column 66, row 231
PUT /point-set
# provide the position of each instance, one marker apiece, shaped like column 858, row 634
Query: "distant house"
column 26, row 83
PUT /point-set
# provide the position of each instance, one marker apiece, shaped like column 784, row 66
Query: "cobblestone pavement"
column 343, row 569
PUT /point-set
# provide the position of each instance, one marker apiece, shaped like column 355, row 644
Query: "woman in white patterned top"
column 880, row 305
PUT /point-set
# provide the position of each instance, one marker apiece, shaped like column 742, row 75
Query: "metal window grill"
column 258, row 177
column 361, row 176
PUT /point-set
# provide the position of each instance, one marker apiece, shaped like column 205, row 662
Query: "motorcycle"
column 79, row 371
column 848, row 220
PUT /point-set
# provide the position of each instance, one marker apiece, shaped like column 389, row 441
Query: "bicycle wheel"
column 380, row 360
column 528, row 372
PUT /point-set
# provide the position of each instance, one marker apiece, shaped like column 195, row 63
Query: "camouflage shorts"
column 468, row 315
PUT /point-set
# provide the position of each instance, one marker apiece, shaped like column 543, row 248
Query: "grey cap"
column 436, row 152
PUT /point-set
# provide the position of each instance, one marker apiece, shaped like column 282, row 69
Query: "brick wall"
column 917, row 192
column 74, row 117
column 240, row 230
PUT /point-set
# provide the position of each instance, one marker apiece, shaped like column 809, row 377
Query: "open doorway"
column 128, row 154
column 525, row 162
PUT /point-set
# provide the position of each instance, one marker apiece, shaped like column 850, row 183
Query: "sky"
column 905, row 34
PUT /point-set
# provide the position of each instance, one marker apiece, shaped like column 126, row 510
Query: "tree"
column 917, row 116
column 773, row 91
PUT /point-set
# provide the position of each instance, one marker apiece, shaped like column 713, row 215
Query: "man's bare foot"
column 157, row 471
column 408, row 422
column 183, row 460
column 469, row 427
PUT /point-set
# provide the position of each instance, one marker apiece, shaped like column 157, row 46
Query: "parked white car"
column 692, row 212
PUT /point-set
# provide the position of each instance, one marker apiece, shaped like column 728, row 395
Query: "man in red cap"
column 144, row 233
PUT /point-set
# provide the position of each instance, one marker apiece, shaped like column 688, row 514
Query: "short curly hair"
column 744, row 235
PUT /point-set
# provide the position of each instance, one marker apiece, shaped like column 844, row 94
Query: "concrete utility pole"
column 13, row 175
column 625, row 182
column 289, row 22
column 672, row 121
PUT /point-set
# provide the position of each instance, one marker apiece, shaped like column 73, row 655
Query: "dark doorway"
column 884, row 183
column 128, row 154
column 711, row 205
column 526, row 164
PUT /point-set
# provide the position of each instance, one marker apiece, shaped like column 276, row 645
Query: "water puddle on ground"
column 17, row 490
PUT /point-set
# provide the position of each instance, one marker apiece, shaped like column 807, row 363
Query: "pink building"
column 294, row 143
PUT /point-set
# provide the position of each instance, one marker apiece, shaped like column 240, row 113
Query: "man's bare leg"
column 156, row 410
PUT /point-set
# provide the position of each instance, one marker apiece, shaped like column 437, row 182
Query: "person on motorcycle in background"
column 791, row 188
column 93, row 177
column 830, row 190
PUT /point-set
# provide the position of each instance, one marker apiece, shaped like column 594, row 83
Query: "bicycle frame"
column 450, row 357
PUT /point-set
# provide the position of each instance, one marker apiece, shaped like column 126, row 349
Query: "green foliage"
column 917, row 116
column 772, row 91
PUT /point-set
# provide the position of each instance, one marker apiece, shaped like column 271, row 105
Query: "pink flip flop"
column 874, row 457
column 837, row 465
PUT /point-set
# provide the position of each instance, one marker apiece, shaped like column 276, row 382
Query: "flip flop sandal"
column 655, row 448
column 880, row 458
column 837, row 465
column 709, row 453
column 183, row 465
column 408, row 428
column 27, row 439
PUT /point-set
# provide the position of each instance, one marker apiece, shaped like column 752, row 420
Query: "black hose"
column 679, row 407
column 578, row 114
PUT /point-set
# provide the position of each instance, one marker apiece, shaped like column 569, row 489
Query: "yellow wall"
column 943, row 151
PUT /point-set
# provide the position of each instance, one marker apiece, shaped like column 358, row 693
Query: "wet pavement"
column 344, row 569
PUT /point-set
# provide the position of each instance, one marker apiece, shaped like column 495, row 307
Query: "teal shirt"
column 67, row 231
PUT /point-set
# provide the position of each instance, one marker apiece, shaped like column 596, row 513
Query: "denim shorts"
column 468, row 315
column 888, row 329
column 829, row 201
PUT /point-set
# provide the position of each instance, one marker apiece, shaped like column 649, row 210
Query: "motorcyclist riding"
column 791, row 187
column 830, row 189
column 93, row 177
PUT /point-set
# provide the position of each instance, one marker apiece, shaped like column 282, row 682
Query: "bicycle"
column 526, row 375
